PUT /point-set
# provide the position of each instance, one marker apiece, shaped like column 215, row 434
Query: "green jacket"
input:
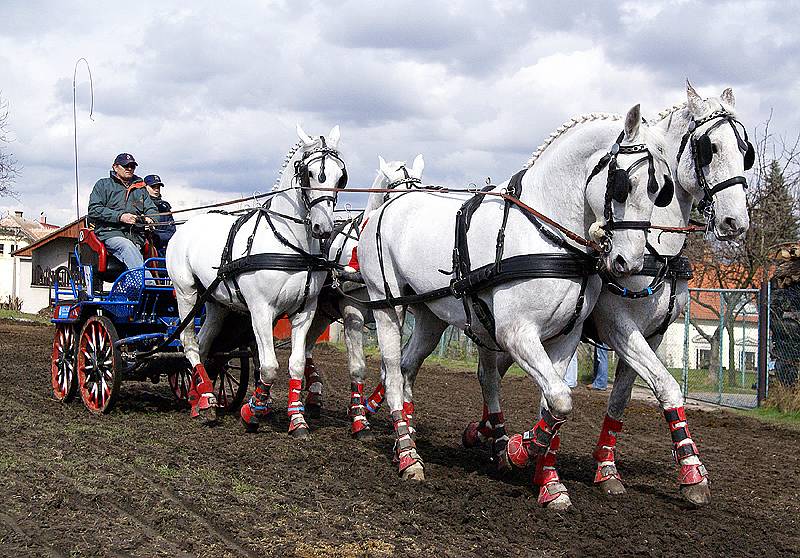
column 110, row 199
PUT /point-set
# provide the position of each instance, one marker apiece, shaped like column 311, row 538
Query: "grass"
column 773, row 415
column 22, row 316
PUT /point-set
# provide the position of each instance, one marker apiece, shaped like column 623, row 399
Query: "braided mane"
column 668, row 112
column 286, row 161
column 568, row 125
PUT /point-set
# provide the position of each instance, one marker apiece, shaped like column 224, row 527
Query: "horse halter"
column 407, row 180
column 703, row 153
column 618, row 185
column 303, row 175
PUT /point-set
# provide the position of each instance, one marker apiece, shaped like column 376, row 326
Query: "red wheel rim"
column 62, row 369
column 226, row 384
column 179, row 382
column 96, row 366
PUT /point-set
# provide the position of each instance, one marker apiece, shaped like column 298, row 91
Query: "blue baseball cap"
column 152, row 180
column 125, row 159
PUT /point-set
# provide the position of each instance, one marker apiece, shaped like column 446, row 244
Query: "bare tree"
column 9, row 167
column 774, row 207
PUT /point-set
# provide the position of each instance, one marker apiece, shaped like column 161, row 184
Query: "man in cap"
column 116, row 205
column 165, row 226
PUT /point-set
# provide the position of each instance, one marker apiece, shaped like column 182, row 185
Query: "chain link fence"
column 784, row 337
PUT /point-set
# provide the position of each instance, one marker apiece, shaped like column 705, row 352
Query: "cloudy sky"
column 208, row 96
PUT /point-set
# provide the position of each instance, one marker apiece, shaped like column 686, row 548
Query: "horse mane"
column 286, row 160
column 670, row 111
column 568, row 125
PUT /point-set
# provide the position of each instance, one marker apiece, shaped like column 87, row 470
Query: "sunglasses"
column 129, row 166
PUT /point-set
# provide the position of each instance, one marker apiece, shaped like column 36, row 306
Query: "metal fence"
column 712, row 350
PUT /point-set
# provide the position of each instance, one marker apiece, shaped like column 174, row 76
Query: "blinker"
column 666, row 194
column 620, row 185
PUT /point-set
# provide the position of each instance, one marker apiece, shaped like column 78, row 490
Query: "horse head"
column 714, row 153
column 622, row 200
column 320, row 166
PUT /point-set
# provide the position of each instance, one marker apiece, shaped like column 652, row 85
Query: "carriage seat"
column 93, row 252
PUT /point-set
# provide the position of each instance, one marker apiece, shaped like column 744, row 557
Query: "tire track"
column 12, row 524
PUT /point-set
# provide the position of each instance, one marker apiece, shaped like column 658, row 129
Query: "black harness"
column 467, row 283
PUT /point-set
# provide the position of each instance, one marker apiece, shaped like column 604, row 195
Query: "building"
column 39, row 263
column 16, row 233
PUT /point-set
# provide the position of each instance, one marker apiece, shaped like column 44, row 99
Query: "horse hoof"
column 612, row 487
column 562, row 503
column 414, row 472
column 314, row 411
column 250, row 426
column 469, row 439
column 697, row 494
column 207, row 416
column 300, row 433
column 365, row 435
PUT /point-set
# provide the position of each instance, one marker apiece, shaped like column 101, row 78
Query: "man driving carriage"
column 117, row 205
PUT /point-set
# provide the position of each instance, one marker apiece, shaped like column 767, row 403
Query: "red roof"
column 70, row 230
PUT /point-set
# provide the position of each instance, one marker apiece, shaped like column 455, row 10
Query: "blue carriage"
column 129, row 332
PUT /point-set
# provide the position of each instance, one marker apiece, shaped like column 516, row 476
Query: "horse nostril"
column 730, row 222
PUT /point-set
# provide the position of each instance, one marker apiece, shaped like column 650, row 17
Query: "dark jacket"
column 163, row 232
column 110, row 199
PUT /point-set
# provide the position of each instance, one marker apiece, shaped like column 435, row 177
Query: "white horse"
column 710, row 169
column 591, row 177
column 288, row 225
column 635, row 328
column 333, row 306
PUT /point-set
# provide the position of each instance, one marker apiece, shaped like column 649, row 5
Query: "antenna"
column 75, row 126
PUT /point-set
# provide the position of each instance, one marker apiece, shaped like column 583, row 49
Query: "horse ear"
column 307, row 141
column 333, row 137
column 419, row 164
column 728, row 98
column 632, row 122
column 694, row 101
column 384, row 168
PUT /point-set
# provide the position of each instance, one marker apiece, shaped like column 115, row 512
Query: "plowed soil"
column 148, row 481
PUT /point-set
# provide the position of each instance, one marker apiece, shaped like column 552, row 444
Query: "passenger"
column 116, row 205
column 165, row 226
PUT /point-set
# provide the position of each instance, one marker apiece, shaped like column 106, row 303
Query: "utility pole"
column 75, row 126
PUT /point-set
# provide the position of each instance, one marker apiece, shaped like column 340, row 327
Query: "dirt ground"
column 147, row 481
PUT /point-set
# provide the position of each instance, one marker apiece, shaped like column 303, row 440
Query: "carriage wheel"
column 230, row 374
column 99, row 365
column 179, row 381
column 62, row 368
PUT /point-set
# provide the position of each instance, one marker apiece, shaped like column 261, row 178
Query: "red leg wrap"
column 546, row 476
column 295, row 407
column 357, row 412
column 405, row 450
column 313, row 384
column 408, row 416
column 684, row 448
column 605, row 449
column 489, row 429
column 376, row 399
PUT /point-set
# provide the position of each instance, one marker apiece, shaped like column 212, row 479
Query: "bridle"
column 703, row 153
column 618, row 186
column 408, row 181
column 303, row 176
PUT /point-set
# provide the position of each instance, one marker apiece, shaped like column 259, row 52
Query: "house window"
column 13, row 248
column 749, row 360
column 703, row 358
column 2, row 248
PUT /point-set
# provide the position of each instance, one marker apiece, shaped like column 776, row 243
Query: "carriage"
column 129, row 332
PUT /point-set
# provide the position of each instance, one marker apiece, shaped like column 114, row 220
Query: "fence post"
column 686, row 333
column 720, row 372
column 763, row 337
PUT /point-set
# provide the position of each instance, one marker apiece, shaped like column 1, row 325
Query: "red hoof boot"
column 554, row 496
column 258, row 408
column 201, row 395
column 470, row 438
column 692, row 474
column 517, row 451
column 359, row 426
